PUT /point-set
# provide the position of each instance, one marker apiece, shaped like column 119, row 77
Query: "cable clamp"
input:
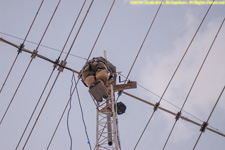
column 156, row 106
column 62, row 66
column 56, row 63
column 120, row 93
column 204, row 126
column 21, row 48
column 34, row 54
column 178, row 115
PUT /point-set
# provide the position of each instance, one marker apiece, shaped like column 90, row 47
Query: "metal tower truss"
column 107, row 124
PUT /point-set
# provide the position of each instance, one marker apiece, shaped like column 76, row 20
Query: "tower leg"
column 107, row 136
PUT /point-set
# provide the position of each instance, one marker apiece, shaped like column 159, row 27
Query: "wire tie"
column 21, row 48
column 178, row 115
column 34, row 54
column 62, row 66
column 204, row 126
column 56, row 63
column 156, row 106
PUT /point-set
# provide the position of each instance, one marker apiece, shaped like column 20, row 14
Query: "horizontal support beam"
column 38, row 55
column 129, row 85
column 172, row 113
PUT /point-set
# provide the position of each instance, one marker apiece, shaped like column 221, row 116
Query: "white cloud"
column 159, row 70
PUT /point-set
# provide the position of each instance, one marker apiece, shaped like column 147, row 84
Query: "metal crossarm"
column 62, row 65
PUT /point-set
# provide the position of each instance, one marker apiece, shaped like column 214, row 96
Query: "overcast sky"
column 121, row 37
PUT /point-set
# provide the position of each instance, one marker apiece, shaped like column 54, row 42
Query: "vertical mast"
column 106, row 128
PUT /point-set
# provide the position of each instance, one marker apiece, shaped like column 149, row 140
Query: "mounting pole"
column 107, row 122
column 106, row 125
column 105, row 54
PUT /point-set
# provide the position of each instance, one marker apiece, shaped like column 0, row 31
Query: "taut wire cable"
column 30, row 60
column 41, row 45
column 141, row 46
column 59, row 71
column 79, row 77
column 21, row 46
column 157, row 104
column 177, row 118
column 209, row 116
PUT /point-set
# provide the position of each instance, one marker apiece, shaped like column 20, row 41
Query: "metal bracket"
column 178, row 115
column 34, row 54
column 204, row 126
column 62, row 66
column 129, row 85
column 56, row 63
column 156, row 106
column 20, row 48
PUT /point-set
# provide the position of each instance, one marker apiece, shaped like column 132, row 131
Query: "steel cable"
column 193, row 83
column 41, row 45
column 157, row 104
column 10, row 70
column 141, row 46
column 15, row 92
column 216, row 101
column 79, row 78
column 209, row 116
column 34, row 109
column 59, row 70
column 31, row 59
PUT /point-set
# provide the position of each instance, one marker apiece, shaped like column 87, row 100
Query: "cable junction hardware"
column 62, row 65
column 172, row 113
